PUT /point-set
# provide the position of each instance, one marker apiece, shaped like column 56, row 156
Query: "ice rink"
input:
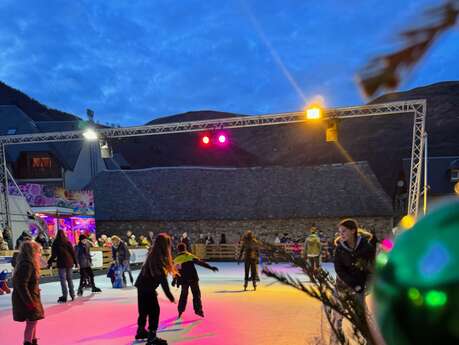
column 274, row 314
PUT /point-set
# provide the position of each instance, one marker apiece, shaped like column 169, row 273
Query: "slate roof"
column 203, row 193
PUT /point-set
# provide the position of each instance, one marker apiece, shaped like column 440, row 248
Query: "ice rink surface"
column 274, row 314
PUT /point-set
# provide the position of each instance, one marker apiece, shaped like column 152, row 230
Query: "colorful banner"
column 37, row 195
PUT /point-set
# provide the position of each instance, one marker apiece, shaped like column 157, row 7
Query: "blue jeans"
column 65, row 275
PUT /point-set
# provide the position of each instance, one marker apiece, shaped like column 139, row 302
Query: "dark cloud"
column 132, row 61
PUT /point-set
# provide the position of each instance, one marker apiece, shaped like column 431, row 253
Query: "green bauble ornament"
column 416, row 284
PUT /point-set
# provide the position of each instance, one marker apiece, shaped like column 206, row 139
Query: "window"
column 11, row 131
column 36, row 165
column 41, row 163
column 454, row 175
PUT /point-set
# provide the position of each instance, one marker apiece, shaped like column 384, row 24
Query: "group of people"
column 353, row 259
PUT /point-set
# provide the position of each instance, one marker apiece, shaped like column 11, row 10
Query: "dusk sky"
column 132, row 61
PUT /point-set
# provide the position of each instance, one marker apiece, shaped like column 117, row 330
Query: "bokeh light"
column 436, row 299
column 407, row 222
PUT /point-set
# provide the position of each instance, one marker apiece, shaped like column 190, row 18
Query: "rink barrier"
column 101, row 256
column 230, row 252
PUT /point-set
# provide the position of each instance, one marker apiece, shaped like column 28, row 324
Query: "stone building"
column 268, row 200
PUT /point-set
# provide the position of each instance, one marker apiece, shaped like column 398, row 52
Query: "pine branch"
column 322, row 288
column 386, row 71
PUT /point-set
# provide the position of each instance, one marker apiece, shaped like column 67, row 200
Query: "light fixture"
column 90, row 134
column 313, row 113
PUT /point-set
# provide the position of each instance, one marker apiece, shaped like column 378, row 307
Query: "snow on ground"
column 274, row 314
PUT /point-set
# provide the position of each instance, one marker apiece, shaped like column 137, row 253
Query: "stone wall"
column 265, row 229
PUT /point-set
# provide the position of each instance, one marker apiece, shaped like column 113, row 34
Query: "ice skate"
column 96, row 289
column 80, row 292
column 62, row 299
column 141, row 334
column 154, row 340
column 199, row 313
column 180, row 314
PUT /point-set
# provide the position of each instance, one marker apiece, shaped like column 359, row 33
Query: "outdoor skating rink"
column 274, row 314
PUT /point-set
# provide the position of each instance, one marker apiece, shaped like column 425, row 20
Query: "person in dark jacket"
column 42, row 238
column 121, row 256
column 25, row 236
column 354, row 257
column 62, row 252
column 188, row 278
column 222, row 239
column 26, row 292
column 7, row 236
column 154, row 273
column 186, row 240
column 83, row 255
column 250, row 252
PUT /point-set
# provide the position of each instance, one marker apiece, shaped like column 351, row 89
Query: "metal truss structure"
column 416, row 107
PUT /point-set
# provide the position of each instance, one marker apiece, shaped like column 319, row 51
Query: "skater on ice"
column 154, row 272
column 188, row 279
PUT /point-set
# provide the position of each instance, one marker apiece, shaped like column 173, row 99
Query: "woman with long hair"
column 26, row 292
column 62, row 251
column 154, row 272
column 354, row 257
column 250, row 251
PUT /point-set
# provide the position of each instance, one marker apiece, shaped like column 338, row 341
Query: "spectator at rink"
column 121, row 256
column 128, row 236
column 222, row 238
column 186, row 241
column 93, row 240
column 25, row 236
column 133, row 242
column 143, row 241
column 209, row 239
column 277, row 239
column 7, row 236
column 3, row 243
column 202, row 239
column 42, row 238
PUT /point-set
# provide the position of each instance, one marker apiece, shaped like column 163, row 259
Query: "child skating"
column 154, row 273
column 188, row 278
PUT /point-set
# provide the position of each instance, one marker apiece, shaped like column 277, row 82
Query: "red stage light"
column 205, row 140
column 222, row 138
